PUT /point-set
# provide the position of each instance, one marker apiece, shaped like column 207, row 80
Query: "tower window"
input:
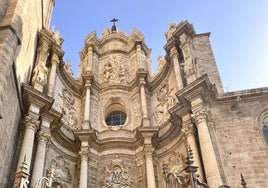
column 116, row 118
column 265, row 133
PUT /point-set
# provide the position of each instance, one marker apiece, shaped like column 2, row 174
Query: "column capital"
column 43, row 136
column 84, row 153
column 148, row 151
column 200, row 116
column 31, row 123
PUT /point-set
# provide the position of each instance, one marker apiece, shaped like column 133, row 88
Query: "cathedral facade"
column 118, row 124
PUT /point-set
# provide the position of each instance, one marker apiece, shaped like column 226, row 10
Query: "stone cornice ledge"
column 200, row 87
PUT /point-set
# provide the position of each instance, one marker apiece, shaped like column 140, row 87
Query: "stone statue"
column 68, row 67
column 40, row 73
column 172, row 28
column 161, row 62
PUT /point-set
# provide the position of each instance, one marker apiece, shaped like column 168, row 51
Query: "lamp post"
column 190, row 179
column 47, row 180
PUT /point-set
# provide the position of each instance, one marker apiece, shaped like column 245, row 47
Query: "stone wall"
column 241, row 145
column 18, row 29
column 204, row 60
column 9, row 100
column 3, row 8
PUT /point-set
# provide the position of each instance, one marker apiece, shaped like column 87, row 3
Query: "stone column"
column 28, row 140
column 175, row 58
column 86, row 121
column 149, row 167
column 189, row 131
column 145, row 118
column 51, row 82
column 210, row 162
column 84, row 164
column 39, row 162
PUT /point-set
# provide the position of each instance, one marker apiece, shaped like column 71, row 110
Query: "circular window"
column 116, row 118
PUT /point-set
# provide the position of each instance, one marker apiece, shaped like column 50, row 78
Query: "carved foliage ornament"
column 116, row 175
column 166, row 101
column 68, row 110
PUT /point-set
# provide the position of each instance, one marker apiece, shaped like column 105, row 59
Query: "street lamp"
column 47, row 180
column 190, row 179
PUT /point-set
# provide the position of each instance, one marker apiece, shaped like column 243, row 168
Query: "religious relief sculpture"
column 68, row 110
column 114, row 71
column 176, row 162
column 116, row 175
column 40, row 73
column 61, row 172
column 166, row 101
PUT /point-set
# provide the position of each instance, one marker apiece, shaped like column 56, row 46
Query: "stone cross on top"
column 114, row 30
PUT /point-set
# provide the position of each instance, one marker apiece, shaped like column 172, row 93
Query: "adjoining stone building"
column 118, row 124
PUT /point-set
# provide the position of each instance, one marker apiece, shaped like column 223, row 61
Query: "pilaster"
column 52, row 77
column 177, row 69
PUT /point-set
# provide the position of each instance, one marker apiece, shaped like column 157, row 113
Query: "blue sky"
column 239, row 30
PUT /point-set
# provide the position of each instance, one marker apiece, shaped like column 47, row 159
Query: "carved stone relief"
column 137, row 111
column 165, row 102
column 176, row 162
column 94, row 111
column 115, row 71
column 62, row 175
column 116, row 175
column 68, row 110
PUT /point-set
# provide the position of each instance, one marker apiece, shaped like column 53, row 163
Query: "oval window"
column 116, row 118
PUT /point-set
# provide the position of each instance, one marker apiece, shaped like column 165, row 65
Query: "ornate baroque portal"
column 118, row 125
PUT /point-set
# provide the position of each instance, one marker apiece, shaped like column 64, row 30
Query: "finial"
column 189, row 158
column 243, row 182
column 114, row 30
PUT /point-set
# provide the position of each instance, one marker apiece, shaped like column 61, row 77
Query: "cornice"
column 31, row 95
column 75, row 85
column 200, row 87
column 243, row 95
